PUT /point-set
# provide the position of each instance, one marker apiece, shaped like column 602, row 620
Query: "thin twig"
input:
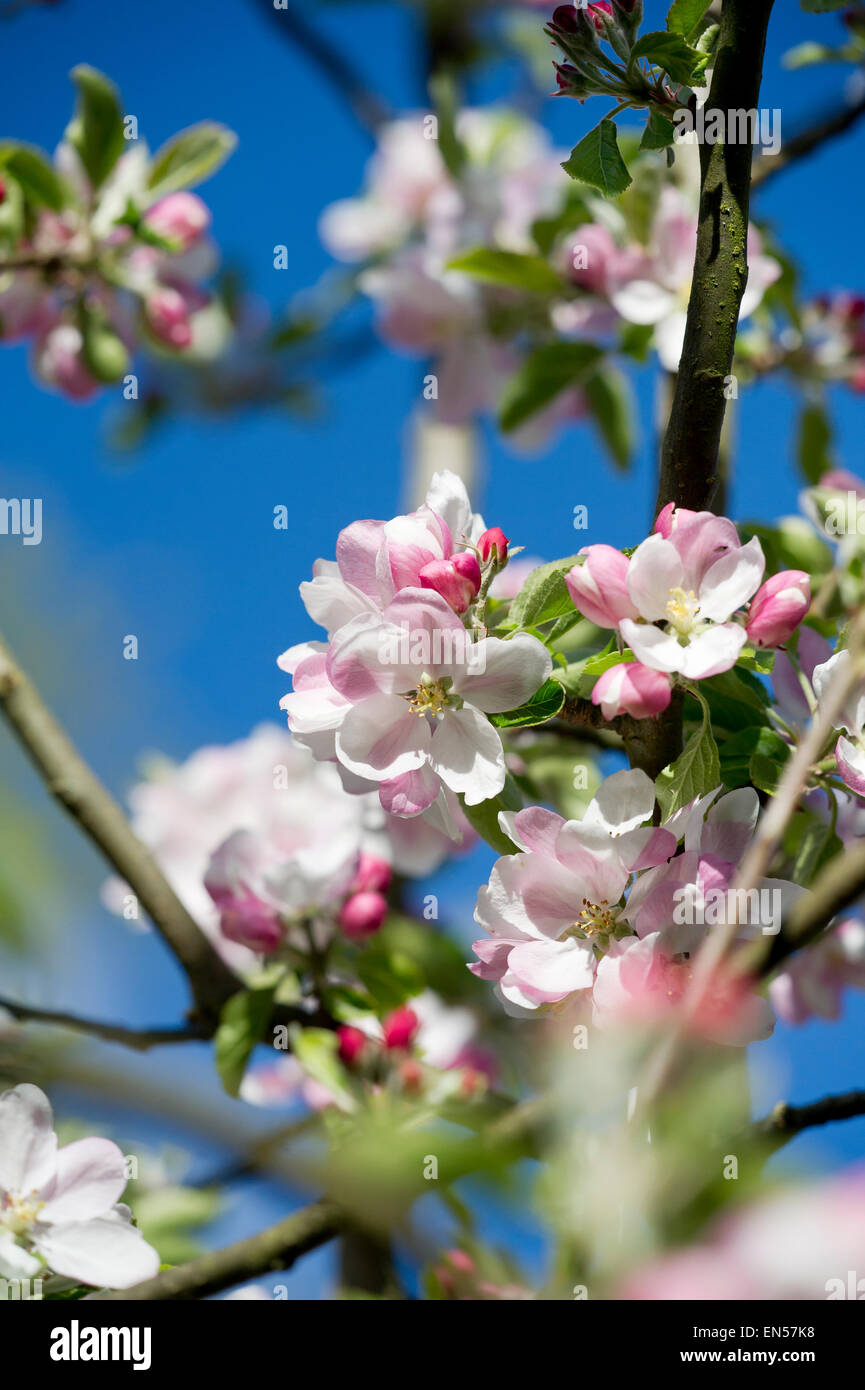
column 807, row 142
column 786, row 1121
column 140, row 1039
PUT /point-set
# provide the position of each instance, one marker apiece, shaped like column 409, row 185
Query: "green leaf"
column 544, row 596
column 317, row 1051
column 580, row 677
column 757, row 659
column 36, row 176
column 389, row 975
column 805, row 841
column 683, row 63
column 446, row 103
column 695, row 772
column 543, row 706
column 659, row 132
column 685, row 16
column 485, row 817
column 737, row 700
column 509, row 268
column 610, row 400
column 597, row 160
column 96, row 130
column 545, row 374
column 814, row 450
column 190, row 157
column 739, row 752
column 242, row 1024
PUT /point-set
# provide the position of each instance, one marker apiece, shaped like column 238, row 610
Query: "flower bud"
column 181, row 218
column 457, row 580
column 244, row 918
column 105, row 354
column 631, row 688
column 565, row 18
column 400, row 1028
column 59, row 361
column 411, row 1076
column 598, row 587
column 778, row 608
column 494, row 543
column 596, row 10
column 169, row 310
column 352, row 1043
column 362, row 914
column 373, row 875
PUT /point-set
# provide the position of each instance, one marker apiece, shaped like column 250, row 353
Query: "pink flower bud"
column 596, row 10
column 457, row 584
column 778, row 608
column 244, row 918
column 169, row 310
column 598, row 587
column 2, row 192
column 494, row 543
column 631, row 688
column 59, row 361
column 373, row 875
column 181, row 218
column 362, row 914
column 400, row 1028
column 352, row 1043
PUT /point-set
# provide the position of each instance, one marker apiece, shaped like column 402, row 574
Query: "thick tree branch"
column 786, row 1121
column 651, row 744
column 276, row 1249
column 83, row 796
column 807, row 142
column 689, row 464
column 140, row 1039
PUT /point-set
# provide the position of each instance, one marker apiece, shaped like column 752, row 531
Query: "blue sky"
column 176, row 543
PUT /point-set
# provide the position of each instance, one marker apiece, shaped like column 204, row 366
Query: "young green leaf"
column 659, row 133
column 610, row 400
column 597, row 160
column 540, row 709
column 544, row 596
column 241, row 1027
column 190, row 157
column 485, row 817
column 37, row 178
column 96, row 129
column 545, row 374
column 815, row 442
column 677, row 58
column 685, row 16
column 695, row 772
column 509, row 268
column 317, row 1051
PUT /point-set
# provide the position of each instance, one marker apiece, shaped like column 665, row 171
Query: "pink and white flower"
column 811, row 985
column 60, row 1209
column 849, row 751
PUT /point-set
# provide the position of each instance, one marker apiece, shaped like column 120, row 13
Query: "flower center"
column 682, row 609
column 595, row 920
column 430, row 697
column 19, row 1213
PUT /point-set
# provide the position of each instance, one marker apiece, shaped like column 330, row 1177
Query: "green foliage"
column 814, row 450
column 659, row 133
column 485, row 817
column 597, row 160
column 242, row 1026
column 34, row 174
column 695, row 772
column 670, row 51
column 544, row 595
column 611, row 402
column 749, row 754
column 317, row 1051
column 96, row 130
column 545, row 374
column 542, row 707
column 190, row 157
column 446, row 101
column 508, row 268
column 389, row 974
column 686, row 16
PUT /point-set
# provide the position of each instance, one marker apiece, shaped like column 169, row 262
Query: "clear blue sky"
column 176, row 544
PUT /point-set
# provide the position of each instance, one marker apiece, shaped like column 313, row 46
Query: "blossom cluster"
column 400, row 693
column 676, row 605
column 106, row 249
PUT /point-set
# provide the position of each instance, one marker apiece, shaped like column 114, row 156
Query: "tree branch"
column 276, row 1249
column 807, row 141
column 84, row 798
column 689, row 464
column 368, row 108
column 786, row 1121
column 140, row 1039
column 651, row 744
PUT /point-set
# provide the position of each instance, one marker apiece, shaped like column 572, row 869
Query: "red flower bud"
column 351, row 1044
column 457, row 580
column 494, row 543
column 400, row 1028
column 362, row 914
column 373, row 875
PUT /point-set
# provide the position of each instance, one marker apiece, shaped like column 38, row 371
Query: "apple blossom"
column 599, row 587
column 812, row 982
column 362, row 914
column 778, row 608
column 399, row 1029
column 630, row 688
column 181, row 218
column 849, row 752
column 60, row 1207
column 457, row 580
